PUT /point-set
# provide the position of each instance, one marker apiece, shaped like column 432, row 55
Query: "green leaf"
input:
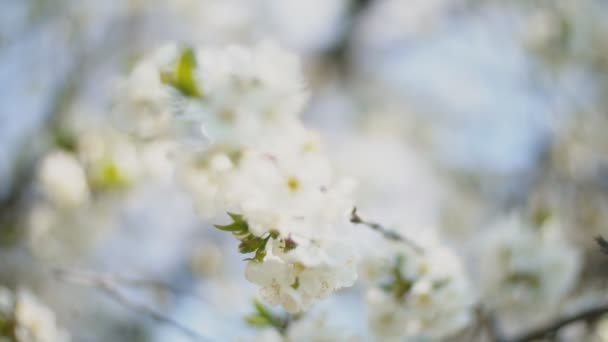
column 249, row 242
column 236, row 217
column 65, row 140
column 235, row 227
column 251, row 245
column 264, row 317
column 238, row 226
column 257, row 320
column 272, row 318
column 184, row 78
column 261, row 309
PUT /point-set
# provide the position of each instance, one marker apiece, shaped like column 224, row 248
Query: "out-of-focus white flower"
column 425, row 296
column 222, row 94
column 208, row 260
column 523, row 267
column 142, row 102
column 318, row 328
column 63, row 180
column 41, row 220
column 110, row 160
column 31, row 321
column 203, row 175
column 246, row 90
column 156, row 160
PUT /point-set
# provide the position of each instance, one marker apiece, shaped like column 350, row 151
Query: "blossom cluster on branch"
column 247, row 153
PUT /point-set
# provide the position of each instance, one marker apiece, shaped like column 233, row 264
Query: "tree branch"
column 555, row 326
column 387, row 233
column 111, row 287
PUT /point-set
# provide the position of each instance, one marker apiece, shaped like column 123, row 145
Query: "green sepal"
column 251, row 245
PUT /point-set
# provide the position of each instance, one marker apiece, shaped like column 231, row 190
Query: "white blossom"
column 110, row 159
column 245, row 90
column 63, row 180
column 291, row 190
column 297, row 278
column 31, row 320
column 142, row 102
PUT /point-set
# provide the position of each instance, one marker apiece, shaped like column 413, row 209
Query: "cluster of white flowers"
column 254, row 159
column 524, row 268
column 24, row 319
column 230, row 94
column 421, row 297
column 296, row 278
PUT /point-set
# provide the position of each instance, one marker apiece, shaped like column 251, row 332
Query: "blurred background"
column 452, row 113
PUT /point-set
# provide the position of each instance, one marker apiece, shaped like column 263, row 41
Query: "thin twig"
column 111, row 287
column 387, row 233
column 555, row 326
